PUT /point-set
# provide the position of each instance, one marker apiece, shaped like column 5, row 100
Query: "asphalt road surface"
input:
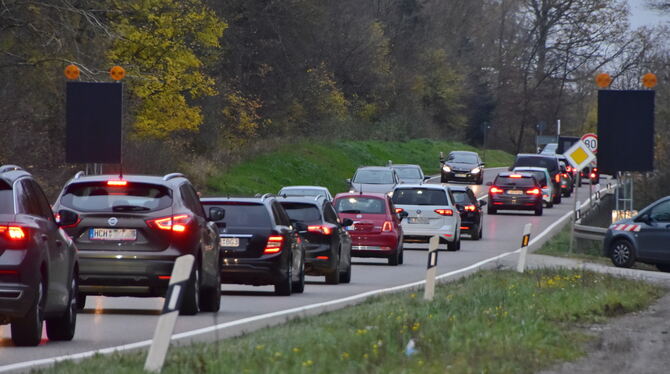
column 108, row 322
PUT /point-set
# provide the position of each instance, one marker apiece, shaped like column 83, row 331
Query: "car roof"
column 304, row 188
column 365, row 194
column 233, row 199
column 316, row 200
column 405, row 166
column 10, row 173
column 533, row 168
column 459, row 188
column 553, row 155
column 508, row 173
column 375, row 168
column 425, row 186
column 464, row 152
column 136, row 178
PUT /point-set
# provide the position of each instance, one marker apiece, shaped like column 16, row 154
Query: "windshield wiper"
column 129, row 208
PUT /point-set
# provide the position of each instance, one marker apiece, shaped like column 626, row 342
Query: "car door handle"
column 44, row 237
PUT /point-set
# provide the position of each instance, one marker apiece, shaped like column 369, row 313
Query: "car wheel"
column 663, row 267
column 190, row 304
column 622, row 253
column 550, row 204
column 284, row 287
column 334, row 276
column 210, row 297
column 480, row 181
column 476, row 232
column 345, row 276
column 538, row 210
column 443, row 179
column 491, row 210
column 27, row 331
column 566, row 193
column 401, row 258
column 81, row 301
column 62, row 328
column 454, row 246
column 394, row 259
column 299, row 285
column 557, row 199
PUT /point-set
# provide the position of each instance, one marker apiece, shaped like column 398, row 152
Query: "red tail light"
column 565, row 175
column 534, row 191
column 595, row 169
column 387, row 227
column 320, row 229
column 444, row 212
column 495, row 189
column 399, row 210
column 516, row 176
column 16, row 236
column 569, row 169
column 274, row 244
column 593, row 175
column 321, row 257
column 470, row 208
column 558, row 178
column 172, row 223
column 117, row 183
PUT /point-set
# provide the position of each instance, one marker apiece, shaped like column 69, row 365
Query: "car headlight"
column 476, row 170
column 446, row 169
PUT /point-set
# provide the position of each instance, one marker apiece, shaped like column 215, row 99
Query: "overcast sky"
column 642, row 16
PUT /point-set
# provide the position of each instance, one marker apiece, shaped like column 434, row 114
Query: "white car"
column 543, row 177
column 306, row 191
column 430, row 211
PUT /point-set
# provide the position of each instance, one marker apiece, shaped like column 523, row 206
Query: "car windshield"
column 374, row 177
column 355, row 205
column 549, row 163
column 302, row 192
column 460, row 197
column 419, row 196
column 408, row 173
column 131, row 197
column 514, row 181
column 302, row 212
column 462, row 158
column 242, row 214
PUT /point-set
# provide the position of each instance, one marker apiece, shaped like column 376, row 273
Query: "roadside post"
column 431, row 268
column 166, row 322
column 521, row 265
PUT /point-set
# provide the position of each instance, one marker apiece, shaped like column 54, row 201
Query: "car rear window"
column 460, row 197
column 549, row 163
column 357, row 205
column 100, row 197
column 514, row 182
column 409, row 173
column 242, row 214
column 302, row 212
column 419, row 196
column 540, row 176
column 374, row 177
column 6, row 198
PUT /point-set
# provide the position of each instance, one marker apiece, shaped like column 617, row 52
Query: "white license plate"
column 229, row 242
column 461, row 175
column 515, row 192
column 113, row 234
column 418, row 220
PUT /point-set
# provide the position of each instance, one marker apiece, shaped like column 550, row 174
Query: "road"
column 109, row 322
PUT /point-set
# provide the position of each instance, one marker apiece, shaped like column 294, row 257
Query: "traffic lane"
column 479, row 190
column 108, row 322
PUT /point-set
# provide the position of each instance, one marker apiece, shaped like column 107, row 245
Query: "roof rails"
column 79, row 174
column 167, row 177
column 6, row 168
column 266, row 195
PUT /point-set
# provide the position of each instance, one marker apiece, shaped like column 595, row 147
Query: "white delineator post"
column 165, row 327
column 524, row 248
column 431, row 268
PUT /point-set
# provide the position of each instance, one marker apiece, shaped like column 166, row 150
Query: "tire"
column 538, row 210
column 285, row 286
column 480, row 181
column 557, row 199
column 62, row 328
column 334, row 276
column 27, row 331
column 491, row 210
column 394, row 260
column 454, row 246
column 190, row 304
column 622, row 253
column 443, row 179
column 81, row 301
column 550, row 204
column 401, row 258
column 476, row 234
column 566, row 193
column 345, row 276
column 663, row 267
column 299, row 285
column 210, row 297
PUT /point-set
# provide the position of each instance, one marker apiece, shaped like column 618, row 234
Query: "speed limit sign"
column 590, row 140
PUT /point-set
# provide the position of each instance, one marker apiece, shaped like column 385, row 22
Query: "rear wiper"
column 129, row 208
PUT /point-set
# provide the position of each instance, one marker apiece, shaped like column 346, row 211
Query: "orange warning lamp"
column 649, row 80
column 117, row 73
column 71, row 72
column 603, row 80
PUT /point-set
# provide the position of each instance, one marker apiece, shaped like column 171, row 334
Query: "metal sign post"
column 431, row 268
column 524, row 248
column 173, row 297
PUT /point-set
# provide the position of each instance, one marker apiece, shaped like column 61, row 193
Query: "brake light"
column 444, row 212
column 470, row 208
column 172, row 223
column 117, row 183
column 164, row 277
column 387, row 227
column 593, row 175
column 495, row 189
column 568, row 168
column 534, row 191
column 565, row 175
column 399, row 210
column 516, row 176
column 274, row 244
column 14, row 233
column 320, row 229
column 544, row 187
column 558, row 178
column 595, row 169
column 321, row 257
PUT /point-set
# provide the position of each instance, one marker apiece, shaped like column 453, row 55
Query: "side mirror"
column 347, row 222
column 644, row 218
column 402, row 215
column 489, row 183
column 67, row 218
column 427, row 177
column 482, row 164
column 216, row 213
column 482, row 203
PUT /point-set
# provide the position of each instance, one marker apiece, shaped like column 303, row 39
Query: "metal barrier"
column 590, row 232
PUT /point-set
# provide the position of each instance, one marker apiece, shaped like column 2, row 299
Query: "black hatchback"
column 470, row 210
column 327, row 243
column 130, row 232
column 515, row 191
column 259, row 245
column 38, row 263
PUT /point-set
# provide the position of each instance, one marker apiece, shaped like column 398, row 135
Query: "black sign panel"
column 93, row 112
column 625, row 131
column 565, row 142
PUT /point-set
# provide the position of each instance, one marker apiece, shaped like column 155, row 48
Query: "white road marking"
column 287, row 312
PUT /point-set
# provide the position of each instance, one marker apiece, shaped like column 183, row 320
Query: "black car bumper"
column 15, row 300
column 460, row 176
column 320, row 259
column 253, row 271
column 515, row 203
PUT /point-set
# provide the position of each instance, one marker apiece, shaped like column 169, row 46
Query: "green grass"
column 329, row 164
column 492, row 321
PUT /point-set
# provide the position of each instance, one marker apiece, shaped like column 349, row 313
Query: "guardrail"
column 592, row 232
column 589, row 232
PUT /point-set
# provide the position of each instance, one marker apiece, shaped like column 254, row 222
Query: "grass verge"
column 329, row 164
column 492, row 321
